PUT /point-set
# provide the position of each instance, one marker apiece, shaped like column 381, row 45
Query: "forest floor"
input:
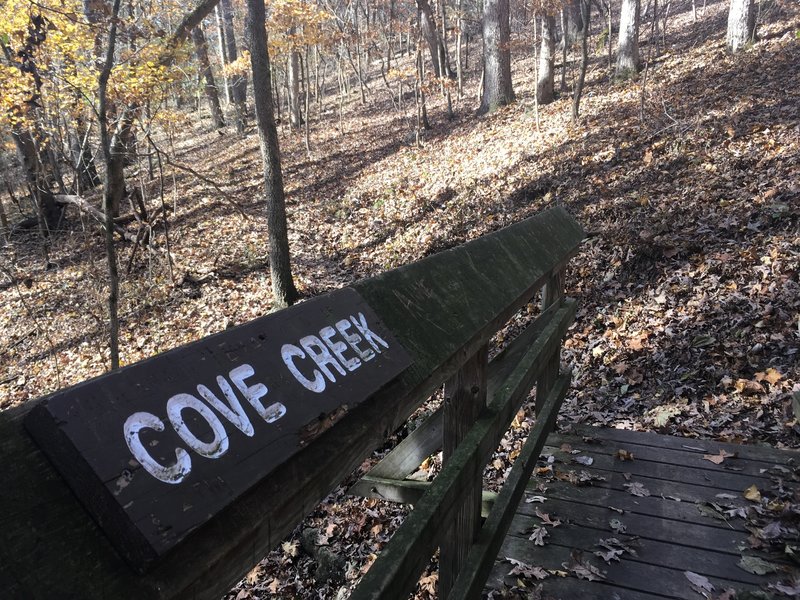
column 689, row 318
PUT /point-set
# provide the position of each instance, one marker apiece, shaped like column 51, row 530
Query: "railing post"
column 552, row 293
column 464, row 398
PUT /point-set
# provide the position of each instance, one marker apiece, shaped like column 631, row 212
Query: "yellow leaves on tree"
column 295, row 25
column 66, row 55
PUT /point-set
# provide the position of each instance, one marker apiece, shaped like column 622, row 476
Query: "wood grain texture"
column 667, row 529
column 445, row 304
column 398, row 567
column 82, row 429
column 464, row 399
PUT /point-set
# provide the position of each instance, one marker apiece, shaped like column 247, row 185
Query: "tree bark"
column 283, row 287
column 210, row 86
column 112, row 192
column 431, row 34
column 238, row 82
column 573, row 22
column 498, row 90
column 628, row 45
column 544, row 87
column 223, row 54
column 86, row 177
column 576, row 98
column 293, row 74
column 741, row 24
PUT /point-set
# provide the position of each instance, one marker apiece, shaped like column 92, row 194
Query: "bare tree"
column 741, row 24
column 544, row 86
column 283, row 287
column 497, row 90
column 628, row 46
column 207, row 75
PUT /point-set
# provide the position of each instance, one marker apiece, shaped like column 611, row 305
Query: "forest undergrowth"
column 689, row 301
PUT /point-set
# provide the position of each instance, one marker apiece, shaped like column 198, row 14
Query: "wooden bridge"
column 173, row 477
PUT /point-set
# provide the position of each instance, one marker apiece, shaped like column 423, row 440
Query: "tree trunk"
column 544, row 87
column 741, row 24
column 293, row 74
column 210, row 86
column 573, row 22
column 497, row 90
column 238, row 82
column 576, row 98
column 431, row 34
column 459, row 41
column 283, row 288
column 86, row 177
column 112, row 191
column 628, row 46
column 223, row 54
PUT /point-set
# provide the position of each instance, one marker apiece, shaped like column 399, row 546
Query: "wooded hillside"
column 686, row 176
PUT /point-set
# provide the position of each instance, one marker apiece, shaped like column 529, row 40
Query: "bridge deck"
column 668, row 505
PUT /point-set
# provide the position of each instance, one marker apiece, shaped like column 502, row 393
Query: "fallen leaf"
column 538, row 535
column 771, row 376
column 624, row 455
column 583, row 569
column 584, row 460
column 757, row 566
column 699, row 581
column 753, row 494
column 637, row 489
column 547, row 519
column 290, row 549
column 530, row 499
column 718, row 458
column 254, row 575
column 525, row 570
column 617, row 526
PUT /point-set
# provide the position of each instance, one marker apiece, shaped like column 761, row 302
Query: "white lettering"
column 237, row 416
column 213, row 449
column 168, row 474
column 369, row 335
column 254, row 393
column 338, row 348
column 353, row 339
column 288, row 352
column 321, row 356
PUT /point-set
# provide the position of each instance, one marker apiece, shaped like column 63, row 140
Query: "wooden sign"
column 156, row 449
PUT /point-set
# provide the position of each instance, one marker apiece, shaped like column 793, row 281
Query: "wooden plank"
column 552, row 294
column 397, row 569
column 684, row 492
column 639, row 577
column 408, row 455
column 62, row 554
column 652, row 505
column 719, row 479
column 156, row 449
column 426, row 439
column 762, row 453
column 644, row 526
column 674, row 556
column 561, row 588
column 464, row 399
column 478, row 565
column 409, row 491
column 684, row 457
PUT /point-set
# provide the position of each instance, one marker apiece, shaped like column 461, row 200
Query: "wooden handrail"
column 442, row 310
column 399, row 565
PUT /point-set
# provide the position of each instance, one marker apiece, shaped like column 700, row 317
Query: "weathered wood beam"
column 409, row 491
column 441, row 309
column 464, row 399
column 483, row 553
column 397, row 569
